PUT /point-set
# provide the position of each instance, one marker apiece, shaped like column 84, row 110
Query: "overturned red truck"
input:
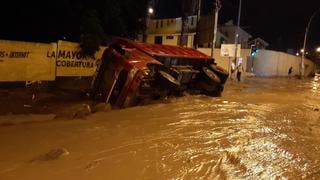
column 131, row 72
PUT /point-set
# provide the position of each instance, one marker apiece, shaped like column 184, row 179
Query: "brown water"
column 258, row 129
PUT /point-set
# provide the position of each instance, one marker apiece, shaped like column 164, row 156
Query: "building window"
column 192, row 21
column 168, row 22
column 158, row 40
column 157, row 24
column 161, row 23
column 169, row 37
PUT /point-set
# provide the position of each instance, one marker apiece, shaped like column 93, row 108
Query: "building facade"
column 229, row 31
column 168, row 31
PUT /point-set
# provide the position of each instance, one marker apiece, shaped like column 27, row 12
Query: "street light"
column 318, row 52
column 150, row 11
column 305, row 42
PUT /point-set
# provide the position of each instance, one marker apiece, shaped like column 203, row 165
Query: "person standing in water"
column 240, row 70
column 233, row 69
column 290, row 72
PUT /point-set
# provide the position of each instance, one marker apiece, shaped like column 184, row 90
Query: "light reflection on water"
column 231, row 138
column 260, row 129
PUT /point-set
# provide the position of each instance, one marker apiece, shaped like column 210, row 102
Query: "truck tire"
column 210, row 76
column 222, row 73
column 168, row 79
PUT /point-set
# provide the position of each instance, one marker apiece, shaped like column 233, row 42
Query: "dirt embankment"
column 59, row 104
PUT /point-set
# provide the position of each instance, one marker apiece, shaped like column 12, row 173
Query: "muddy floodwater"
column 261, row 128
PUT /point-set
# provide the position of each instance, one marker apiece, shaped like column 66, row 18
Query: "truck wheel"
column 222, row 73
column 210, row 76
column 169, row 79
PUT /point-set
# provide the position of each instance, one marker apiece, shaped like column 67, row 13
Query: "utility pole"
column 196, row 42
column 216, row 9
column 184, row 23
column 237, row 33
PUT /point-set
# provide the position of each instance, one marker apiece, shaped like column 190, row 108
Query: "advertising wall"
column 71, row 62
column 25, row 61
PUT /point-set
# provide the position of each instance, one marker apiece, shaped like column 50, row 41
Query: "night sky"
column 280, row 22
column 40, row 21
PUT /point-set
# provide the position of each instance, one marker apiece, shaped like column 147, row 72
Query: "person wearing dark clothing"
column 240, row 70
column 290, row 72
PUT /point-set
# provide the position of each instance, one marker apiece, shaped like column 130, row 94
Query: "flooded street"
column 259, row 129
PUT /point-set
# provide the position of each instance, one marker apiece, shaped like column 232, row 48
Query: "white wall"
column 272, row 63
column 266, row 63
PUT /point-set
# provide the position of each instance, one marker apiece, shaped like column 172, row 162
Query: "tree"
column 124, row 18
column 92, row 34
column 102, row 19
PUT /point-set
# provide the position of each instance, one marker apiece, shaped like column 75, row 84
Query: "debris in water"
column 82, row 112
column 52, row 155
column 92, row 165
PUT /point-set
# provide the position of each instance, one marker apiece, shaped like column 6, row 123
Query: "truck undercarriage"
column 131, row 72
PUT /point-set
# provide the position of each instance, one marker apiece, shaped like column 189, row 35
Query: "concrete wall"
column 266, row 63
column 225, row 62
column 272, row 63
